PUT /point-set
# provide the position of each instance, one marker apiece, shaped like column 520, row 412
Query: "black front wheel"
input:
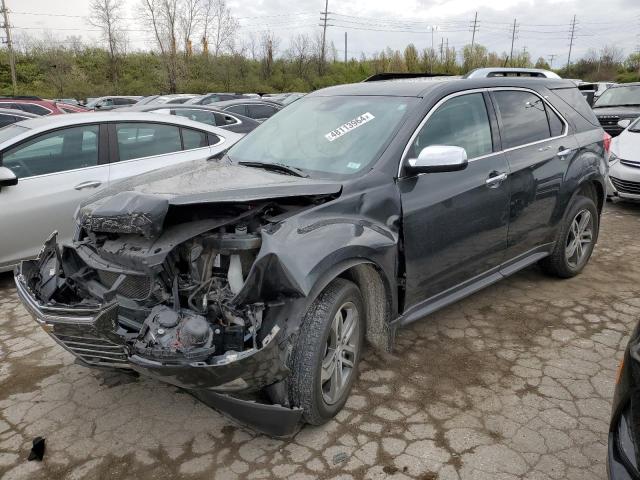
column 324, row 363
column 576, row 240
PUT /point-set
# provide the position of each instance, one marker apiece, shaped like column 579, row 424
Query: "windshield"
column 619, row 96
column 10, row 131
column 328, row 135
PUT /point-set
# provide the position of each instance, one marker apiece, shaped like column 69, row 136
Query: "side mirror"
column 7, row 178
column 624, row 123
column 438, row 158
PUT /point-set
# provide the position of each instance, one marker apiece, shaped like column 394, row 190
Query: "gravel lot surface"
column 513, row 382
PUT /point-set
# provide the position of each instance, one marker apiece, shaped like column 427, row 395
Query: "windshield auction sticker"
column 349, row 126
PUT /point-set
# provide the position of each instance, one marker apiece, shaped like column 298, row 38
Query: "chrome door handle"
column 496, row 180
column 565, row 152
column 88, row 184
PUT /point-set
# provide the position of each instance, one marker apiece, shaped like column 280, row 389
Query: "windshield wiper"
column 277, row 167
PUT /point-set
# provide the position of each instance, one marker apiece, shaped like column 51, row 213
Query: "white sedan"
column 624, row 162
column 48, row 165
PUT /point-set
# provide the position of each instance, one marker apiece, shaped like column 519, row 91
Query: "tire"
column 559, row 263
column 317, row 343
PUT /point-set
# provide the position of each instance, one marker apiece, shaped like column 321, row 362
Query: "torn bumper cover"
column 91, row 333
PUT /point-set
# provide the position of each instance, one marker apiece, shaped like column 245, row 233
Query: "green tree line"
column 80, row 71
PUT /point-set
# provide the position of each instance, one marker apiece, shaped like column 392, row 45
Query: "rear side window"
column 222, row 119
column 239, row 109
column 7, row 119
column 261, row 111
column 203, row 116
column 459, row 122
column 211, row 99
column 193, row 139
column 556, row 125
column 33, row 108
column 524, row 118
column 137, row 140
column 573, row 98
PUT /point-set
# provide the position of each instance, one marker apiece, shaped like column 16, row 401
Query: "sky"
column 543, row 26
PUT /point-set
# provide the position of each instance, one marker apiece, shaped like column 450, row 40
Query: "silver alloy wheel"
column 340, row 353
column 579, row 238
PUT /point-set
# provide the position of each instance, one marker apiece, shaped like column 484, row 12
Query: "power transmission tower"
column 571, row 38
column 513, row 39
column 323, row 18
column 12, row 59
column 551, row 57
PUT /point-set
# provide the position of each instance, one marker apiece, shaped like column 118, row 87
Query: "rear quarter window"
column 574, row 99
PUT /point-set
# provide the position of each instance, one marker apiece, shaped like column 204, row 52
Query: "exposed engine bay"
column 176, row 288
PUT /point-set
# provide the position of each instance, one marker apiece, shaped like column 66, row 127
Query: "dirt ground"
column 513, row 382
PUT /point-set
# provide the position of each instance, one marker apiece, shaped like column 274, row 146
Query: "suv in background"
column 354, row 211
column 38, row 106
column 618, row 102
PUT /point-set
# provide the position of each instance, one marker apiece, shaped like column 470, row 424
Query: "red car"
column 39, row 106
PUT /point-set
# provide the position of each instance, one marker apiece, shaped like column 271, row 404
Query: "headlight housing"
column 612, row 157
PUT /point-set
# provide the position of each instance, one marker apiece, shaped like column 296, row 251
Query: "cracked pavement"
column 512, row 382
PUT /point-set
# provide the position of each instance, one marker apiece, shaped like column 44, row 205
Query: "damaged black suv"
column 253, row 279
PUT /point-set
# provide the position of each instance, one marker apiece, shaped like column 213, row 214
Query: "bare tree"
column 162, row 15
column 189, row 17
column 107, row 15
column 220, row 26
column 269, row 46
column 300, row 52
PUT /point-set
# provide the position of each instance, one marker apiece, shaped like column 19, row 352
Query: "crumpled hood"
column 139, row 204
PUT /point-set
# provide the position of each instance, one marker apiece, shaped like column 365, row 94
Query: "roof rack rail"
column 396, row 76
column 20, row 97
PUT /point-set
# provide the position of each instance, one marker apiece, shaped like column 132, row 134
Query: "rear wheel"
column 325, row 361
column 576, row 240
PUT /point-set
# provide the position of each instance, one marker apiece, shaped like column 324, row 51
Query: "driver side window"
column 462, row 121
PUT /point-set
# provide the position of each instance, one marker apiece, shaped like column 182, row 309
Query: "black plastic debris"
column 37, row 450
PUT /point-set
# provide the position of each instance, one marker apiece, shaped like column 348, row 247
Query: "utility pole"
column 433, row 51
column 571, row 38
column 323, row 19
column 475, row 28
column 441, row 49
column 551, row 57
column 345, row 47
column 12, row 59
column 513, row 39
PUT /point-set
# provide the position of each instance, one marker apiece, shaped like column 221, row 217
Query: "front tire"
column 324, row 363
column 576, row 240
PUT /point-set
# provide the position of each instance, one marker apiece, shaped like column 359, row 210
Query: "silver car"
column 48, row 165
column 624, row 162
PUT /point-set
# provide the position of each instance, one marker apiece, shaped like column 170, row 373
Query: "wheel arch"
column 377, row 292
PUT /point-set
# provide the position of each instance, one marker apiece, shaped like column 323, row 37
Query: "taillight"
column 607, row 142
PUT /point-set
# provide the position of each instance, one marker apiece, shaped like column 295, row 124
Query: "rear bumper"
column 91, row 335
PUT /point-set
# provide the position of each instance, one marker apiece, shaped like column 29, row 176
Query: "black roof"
column 419, row 87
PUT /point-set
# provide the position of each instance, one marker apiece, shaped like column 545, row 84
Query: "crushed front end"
column 165, row 295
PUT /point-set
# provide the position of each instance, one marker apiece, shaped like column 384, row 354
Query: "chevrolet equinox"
column 253, row 278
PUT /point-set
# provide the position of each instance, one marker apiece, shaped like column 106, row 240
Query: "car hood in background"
column 622, row 112
column 627, row 145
